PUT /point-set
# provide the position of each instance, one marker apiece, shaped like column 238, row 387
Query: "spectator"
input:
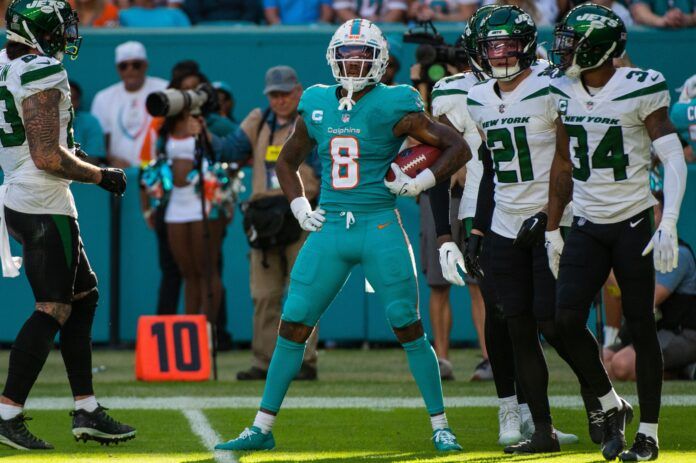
column 443, row 10
column 388, row 11
column 144, row 13
column 223, row 10
column 261, row 137
column 543, row 12
column 88, row 132
column 297, row 11
column 96, row 13
column 683, row 115
column 675, row 300
column 226, row 99
column 664, row 13
column 120, row 108
column 619, row 7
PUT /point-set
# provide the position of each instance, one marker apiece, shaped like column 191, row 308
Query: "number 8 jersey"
column 609, row 143
column 356, row 147
column 30, row 190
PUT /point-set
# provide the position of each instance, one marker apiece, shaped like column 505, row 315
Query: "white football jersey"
column 29, row 189
column 520, row 132
column 449, row 99
column 609, row 143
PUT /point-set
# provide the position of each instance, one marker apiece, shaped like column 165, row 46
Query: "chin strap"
column 347, row 102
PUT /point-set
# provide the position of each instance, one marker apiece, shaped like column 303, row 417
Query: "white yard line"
column 205, row 432
column 198, row 403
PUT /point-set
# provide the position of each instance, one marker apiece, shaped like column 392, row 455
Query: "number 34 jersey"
column 356, row 147
column 30, row 190
column 609, row 143
column 520, row 131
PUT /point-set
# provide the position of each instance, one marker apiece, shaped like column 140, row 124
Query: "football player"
column 608, row 119
column 517, row 121
column 36, row 206
column 358, row 127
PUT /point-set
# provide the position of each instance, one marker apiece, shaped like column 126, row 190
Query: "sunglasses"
column 136, row 65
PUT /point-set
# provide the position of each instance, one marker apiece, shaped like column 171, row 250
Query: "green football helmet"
column 507, row 32
column 470, row 40
column 586, row 38
column 50, row 26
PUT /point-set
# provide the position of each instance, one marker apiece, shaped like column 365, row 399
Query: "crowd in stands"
column 184, row 13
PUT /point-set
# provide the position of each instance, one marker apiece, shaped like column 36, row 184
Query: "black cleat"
column 307, row 373
column 541, row 442
column 615, row 421
column 644, row 448
column 100, row 427
column 252, row 374
column 14, row 433
column 595, row 416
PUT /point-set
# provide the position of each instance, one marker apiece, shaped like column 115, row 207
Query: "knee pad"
column 299, row 310
column 401, row 314
column 81, row 317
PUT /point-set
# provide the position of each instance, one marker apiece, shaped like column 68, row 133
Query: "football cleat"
column 446, row 370
column 14, row 433
column 509, row 425
column 540, row 442
column 595, row 416
column 644, row 448
column 527, row 430
column 100, row 427
column 615, row 421
column 250, row 439
column 483, row 371
column 445, row 440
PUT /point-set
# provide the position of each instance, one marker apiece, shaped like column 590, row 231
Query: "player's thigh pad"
column 50, row 246
column 584, row 267
column 511, row 268
column 389, row 266
column 317, row 276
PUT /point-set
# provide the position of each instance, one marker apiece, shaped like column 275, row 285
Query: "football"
column 414, row 159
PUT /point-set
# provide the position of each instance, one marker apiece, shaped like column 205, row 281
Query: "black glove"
column 532, row 231
column 113, row 180
column 471, row 256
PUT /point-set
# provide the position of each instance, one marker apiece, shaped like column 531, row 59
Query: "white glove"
column 309, row 220
column 403, row 185
column 554, row 249
column 665, row 247
column 451, row 260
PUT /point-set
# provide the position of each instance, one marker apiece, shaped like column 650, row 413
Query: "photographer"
column 274, row 235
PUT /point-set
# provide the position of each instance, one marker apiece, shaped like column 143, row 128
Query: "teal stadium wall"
column 240, row 55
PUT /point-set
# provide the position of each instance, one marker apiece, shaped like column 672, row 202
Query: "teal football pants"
column 375, row 240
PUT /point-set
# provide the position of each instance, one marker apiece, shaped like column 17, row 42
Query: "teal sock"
column 285, row 364
column 423, row 364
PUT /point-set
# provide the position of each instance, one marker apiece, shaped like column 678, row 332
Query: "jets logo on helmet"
column 507, row 39
column 358, row 56
column 50, row 26
column 586, row 38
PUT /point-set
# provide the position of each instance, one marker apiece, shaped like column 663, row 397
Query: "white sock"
column 264, row 421
column 508, row 402
column 89, row 404
column 610, row 400
column 649, row 429
column 610, row 335
column 525, row 413
column 7, row 411
column 439, row 421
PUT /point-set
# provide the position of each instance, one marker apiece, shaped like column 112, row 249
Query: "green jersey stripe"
column 41, row 73
column 452, row 91
column 557, row 91
column 538, row 93
column 661, row 87
column 471, row 102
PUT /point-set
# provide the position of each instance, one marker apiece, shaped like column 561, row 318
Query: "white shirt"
column 184, row 203
column 123, row 117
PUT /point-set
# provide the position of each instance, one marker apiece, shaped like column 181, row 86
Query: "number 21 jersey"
column 609, row 143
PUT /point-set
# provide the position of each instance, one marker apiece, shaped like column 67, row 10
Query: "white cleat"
column 509, row 424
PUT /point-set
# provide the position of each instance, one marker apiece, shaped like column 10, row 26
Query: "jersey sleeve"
column 451, row 102
column 406, row 100
column 309, row 110
column 654, row 95
column 40, row 73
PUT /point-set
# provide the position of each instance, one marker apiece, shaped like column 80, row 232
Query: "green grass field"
column 364, row 408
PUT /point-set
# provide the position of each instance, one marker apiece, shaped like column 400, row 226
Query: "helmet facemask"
column 573, row 55
column 503, row 58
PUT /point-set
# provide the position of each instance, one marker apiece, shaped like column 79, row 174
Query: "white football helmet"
column 357, row 42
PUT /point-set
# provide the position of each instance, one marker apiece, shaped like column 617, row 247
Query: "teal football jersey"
column 683, row 117
column 356, row 147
